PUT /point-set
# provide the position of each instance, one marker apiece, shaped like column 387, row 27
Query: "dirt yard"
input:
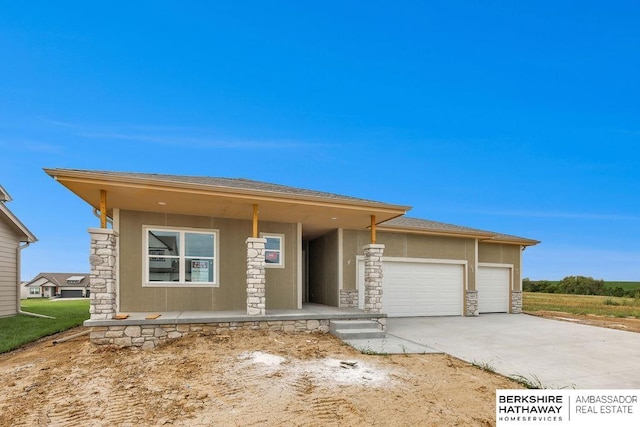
column 260, row 378
column 630, row 324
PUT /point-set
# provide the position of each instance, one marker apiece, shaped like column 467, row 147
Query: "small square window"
column 274, row 250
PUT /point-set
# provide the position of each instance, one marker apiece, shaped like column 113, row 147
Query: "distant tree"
column 581, row 285
column 529, row 285
column 616, row 292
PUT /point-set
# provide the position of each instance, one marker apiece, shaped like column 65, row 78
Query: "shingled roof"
column 228, row 183
column 9, row 217
column 405, row 223
column 60, row 279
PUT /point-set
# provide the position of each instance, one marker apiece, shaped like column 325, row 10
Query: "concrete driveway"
column 558, row 354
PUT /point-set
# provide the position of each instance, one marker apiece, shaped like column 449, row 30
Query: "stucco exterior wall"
column 231, row 251
column 8, row 270
column 323, row 270
column 502, row 254
column 282, row 285
column 405, row 246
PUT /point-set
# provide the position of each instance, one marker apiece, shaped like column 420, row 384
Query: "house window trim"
column 274, row 236
column 182, row 258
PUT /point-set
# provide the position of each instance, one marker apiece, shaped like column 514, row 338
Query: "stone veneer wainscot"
column 147, row 336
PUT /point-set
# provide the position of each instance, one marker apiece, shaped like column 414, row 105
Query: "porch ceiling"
column 317, row 213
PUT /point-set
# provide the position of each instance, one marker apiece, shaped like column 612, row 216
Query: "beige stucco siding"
column 495, row 253
column 323, row 269
column 9, row 243
column 282, row 283
column 403, row 245
column 232, row 256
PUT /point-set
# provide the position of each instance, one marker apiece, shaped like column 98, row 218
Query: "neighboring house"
column 24, row 292
column 14, row 237
column 200, row 244
column 63, row 285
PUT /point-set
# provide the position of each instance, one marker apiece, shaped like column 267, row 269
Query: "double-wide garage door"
column 412, row 288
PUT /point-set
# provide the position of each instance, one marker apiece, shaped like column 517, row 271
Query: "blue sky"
column 516, row 117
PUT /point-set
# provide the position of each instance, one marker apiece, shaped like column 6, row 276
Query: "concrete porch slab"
column 308, row 312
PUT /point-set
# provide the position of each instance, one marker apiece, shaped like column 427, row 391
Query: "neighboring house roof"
column 59, row 279
column 4, row 195
column 423, row 226
column 7, row 216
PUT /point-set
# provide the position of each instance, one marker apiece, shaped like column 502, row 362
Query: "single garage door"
column 71, row 293
column 493, row 289
column 420, row 288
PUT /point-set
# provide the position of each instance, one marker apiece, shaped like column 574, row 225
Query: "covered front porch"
column 148, row 330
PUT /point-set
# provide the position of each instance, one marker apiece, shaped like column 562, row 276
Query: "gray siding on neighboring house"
column 323, row 270
column 231, row 294
column 9, row 243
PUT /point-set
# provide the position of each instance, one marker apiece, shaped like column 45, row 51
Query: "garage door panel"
column 71, row 293
column 421, row 289
column 493, row 289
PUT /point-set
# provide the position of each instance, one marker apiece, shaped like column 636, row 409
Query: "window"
column 274, row 250
column 180, row 257
column 34, row 291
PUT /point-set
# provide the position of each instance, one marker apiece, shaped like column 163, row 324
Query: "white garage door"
column 420, row 289
column 493, row 289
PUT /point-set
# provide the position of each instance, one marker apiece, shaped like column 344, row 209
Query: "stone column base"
column 349, row 298
column 373, row 278
column 102, row 279
column 471, row 301
column 516, row 302
column 256, row 277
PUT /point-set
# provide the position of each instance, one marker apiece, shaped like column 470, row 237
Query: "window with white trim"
column 274, row 250
column 180, row 256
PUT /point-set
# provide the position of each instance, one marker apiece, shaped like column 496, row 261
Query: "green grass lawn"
column 19, row 330
column 581, row 304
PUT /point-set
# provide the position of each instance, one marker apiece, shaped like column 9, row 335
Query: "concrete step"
column 352, row 324
column 355, row 329
column 357, row 334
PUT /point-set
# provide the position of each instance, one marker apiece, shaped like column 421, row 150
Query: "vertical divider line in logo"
column 569, row 402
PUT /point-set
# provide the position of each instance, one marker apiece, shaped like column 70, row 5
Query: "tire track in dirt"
column 247, row 379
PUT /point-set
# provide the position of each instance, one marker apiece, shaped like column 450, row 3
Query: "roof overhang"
column 512, row 240
column 317, row 214
column 481, row 235
column 4, row 195
column 23, row 232
column 458, row 233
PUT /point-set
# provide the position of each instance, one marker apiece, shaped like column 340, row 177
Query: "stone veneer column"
column 373, row 278
column 102, row 280
column 516, row 302
column 471, row 300
column 256, row 278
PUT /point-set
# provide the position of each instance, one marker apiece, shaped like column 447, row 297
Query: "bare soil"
column 630, row 324
column 256, row 378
